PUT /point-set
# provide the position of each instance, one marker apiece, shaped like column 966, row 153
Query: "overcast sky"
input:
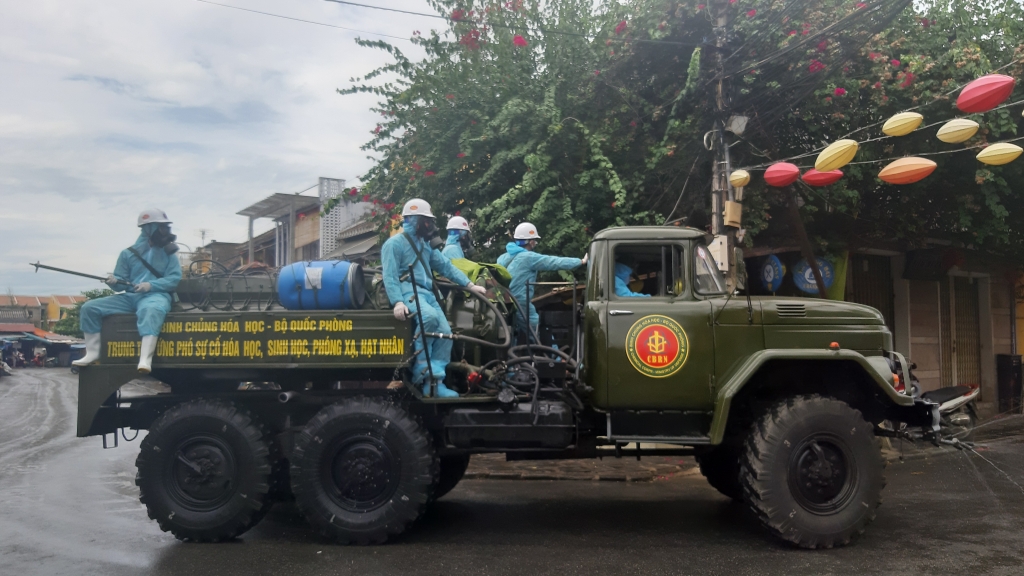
column 108, row 107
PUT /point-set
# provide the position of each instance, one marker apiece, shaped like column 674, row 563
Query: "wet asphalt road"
column 69, row 507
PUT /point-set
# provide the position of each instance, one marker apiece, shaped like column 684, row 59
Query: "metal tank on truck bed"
column 779, row 399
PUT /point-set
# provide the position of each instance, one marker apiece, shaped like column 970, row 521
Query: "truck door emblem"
column 657, row 346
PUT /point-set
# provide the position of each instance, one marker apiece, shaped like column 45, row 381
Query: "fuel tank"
column 323, row 285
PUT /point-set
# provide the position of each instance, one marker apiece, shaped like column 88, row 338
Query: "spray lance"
column 127, row 285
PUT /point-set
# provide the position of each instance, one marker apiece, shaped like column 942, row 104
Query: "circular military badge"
column 657, row 346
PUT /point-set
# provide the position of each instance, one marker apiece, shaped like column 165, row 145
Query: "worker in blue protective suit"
column 459, row 243
column 412, row 248
column 149, row 272
column 622, row 274
column 523, row 264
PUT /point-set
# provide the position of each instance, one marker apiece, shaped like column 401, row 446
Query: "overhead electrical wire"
column 886, row 137
column 515, row 27
column 938, row 98
column 891, row 158
column 302, row 20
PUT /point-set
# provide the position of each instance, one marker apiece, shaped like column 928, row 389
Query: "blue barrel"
column 324, row 285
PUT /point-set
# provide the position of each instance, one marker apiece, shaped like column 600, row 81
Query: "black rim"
column 203, row 472
column 360, row 472
column 822, row 474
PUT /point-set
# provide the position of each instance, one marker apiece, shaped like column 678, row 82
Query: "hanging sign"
column 803, row 276
column 771, row 273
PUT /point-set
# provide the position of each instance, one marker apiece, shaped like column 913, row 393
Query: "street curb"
column 558, row 477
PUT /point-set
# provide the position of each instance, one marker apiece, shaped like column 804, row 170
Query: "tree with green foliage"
column 577, row 116
column 69, row 324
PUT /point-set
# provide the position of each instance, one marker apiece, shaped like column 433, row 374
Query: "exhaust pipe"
column 284, row 397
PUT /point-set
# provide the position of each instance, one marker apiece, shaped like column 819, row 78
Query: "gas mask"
column 426, row 229
column 466, row 241
column 162, row 238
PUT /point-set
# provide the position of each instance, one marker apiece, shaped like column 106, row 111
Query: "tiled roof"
column 10, row 328
column 54, row 337
column 66, row 301
column 23, row 301
column 62, row 300
column 356, row 229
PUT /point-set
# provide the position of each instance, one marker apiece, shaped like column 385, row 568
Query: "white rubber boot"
column 92, row 350
column 146, row 354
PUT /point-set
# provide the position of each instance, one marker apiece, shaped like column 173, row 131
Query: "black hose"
column 497, row 314
column 540, row 349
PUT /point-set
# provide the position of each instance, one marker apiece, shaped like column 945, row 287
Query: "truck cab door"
column 660, row 349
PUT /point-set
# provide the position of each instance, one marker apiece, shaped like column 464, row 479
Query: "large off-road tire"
column 811, row 471
column 721, row 467
column 363, row 470
column 453, row 468
column 204, row 471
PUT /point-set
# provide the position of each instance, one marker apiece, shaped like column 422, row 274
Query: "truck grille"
column 791, row 310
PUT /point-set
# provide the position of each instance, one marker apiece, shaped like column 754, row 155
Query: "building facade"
column 953, row 312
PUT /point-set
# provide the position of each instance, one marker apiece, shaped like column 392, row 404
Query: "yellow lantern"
column 999, row 154
column 837, row 155
column 739, row 178
column 902, row 124
column 958, row 130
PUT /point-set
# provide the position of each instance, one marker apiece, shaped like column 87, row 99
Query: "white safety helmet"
column 153, row 215
column 417, row 207
column 526, row 231
column 458, row 223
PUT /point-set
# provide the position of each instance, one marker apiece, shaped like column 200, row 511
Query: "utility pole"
column 723, row 197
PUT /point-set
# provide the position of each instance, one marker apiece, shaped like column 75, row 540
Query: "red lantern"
column 781, row 174
column 814, row 178
column 985, row 93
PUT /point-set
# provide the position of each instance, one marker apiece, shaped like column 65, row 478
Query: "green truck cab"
column 779, row 399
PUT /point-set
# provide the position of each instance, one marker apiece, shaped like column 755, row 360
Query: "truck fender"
column 96, row 385
column 875, row 367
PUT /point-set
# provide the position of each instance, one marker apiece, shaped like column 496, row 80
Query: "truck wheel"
column 721, row 467
column 204, row 471
column 811, row 471
column 453, row 468
column 363, row 470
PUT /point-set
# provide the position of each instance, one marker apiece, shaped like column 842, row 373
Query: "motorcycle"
column 957, row 408
column 40, row 361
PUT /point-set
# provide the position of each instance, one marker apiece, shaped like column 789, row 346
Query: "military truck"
column 781, row 400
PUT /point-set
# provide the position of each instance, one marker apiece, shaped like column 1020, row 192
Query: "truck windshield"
column 707, row 278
